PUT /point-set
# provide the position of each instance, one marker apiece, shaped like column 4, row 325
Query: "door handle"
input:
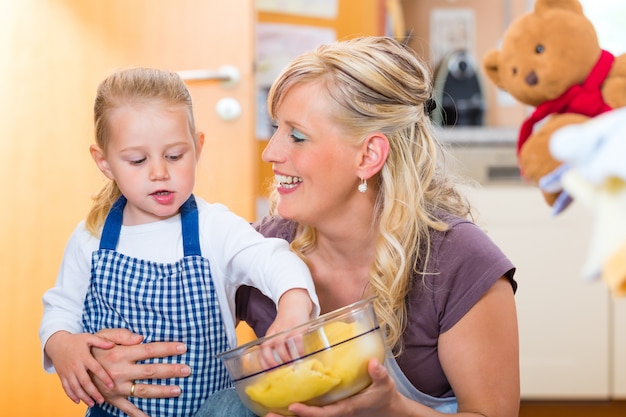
column 227, row 75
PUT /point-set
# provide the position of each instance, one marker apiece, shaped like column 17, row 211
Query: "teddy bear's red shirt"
column 585, row 99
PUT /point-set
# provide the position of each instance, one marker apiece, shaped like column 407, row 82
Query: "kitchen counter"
column 485, row 154
column 478, row 136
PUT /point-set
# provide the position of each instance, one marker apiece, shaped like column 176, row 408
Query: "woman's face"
column 313, row 160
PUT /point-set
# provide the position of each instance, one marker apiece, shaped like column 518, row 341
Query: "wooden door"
column 53, row 55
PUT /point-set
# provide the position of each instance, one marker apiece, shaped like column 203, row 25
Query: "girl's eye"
column 298, row 136
column 174, row 157
column 138, row 161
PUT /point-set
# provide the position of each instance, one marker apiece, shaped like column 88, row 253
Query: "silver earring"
column 363, row 185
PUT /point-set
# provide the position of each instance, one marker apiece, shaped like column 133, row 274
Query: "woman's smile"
column 287, row 182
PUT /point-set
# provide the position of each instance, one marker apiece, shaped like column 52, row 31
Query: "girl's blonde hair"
column 127, row 87
column 379, row 85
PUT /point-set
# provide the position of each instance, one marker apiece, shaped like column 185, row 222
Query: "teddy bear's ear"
column 542, row 6
column 490, row 65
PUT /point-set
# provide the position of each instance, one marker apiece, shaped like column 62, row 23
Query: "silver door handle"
column 227, row 75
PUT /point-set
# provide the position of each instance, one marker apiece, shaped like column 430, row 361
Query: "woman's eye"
column 298, row 136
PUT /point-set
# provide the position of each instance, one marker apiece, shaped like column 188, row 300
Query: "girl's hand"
column 379, row 399
column 281, row 349
column 73, row 362
column 282, row 345
column 294, row 308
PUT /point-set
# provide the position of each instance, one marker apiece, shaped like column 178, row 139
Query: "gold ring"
column 132, row 389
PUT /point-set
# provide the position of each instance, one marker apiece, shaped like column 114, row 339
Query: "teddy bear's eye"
column 539, row 49
column 514, row 70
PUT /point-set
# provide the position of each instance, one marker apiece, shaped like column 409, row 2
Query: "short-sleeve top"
column 464, row 263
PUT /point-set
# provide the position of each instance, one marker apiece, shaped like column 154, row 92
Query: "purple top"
column 465, row 263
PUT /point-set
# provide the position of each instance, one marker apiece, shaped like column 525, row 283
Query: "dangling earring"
column 363, row 185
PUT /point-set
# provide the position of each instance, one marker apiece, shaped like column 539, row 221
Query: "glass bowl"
column 328, row 361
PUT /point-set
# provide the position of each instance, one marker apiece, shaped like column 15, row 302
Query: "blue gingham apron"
column 162, row 302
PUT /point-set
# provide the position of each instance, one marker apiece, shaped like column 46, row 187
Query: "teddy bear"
column 550, row 58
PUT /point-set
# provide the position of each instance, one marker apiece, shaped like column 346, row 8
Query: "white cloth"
column 237, row 253
column 594, row 173
column 596, row 149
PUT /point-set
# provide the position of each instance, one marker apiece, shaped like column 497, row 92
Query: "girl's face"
column 314, row 162
column 152, row 156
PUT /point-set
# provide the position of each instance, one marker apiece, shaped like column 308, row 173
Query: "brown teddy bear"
column 550, row 58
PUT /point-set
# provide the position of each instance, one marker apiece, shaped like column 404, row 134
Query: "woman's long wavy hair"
column 123, row 88
column 379, row 85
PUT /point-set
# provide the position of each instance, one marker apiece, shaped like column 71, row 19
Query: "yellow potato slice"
column 297, row 383
column 347, row 361
column 339, row 368
column 331, row 334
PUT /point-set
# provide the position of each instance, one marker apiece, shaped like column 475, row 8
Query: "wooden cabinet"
column 572, row 332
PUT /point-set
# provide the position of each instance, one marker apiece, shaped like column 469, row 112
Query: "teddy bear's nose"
column 531, row 78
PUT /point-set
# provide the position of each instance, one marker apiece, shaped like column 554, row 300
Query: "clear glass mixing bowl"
column 328, row 359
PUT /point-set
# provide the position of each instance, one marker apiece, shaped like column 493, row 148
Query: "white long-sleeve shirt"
column 238, row 255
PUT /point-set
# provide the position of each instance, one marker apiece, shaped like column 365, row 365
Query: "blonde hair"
column 379, row 85
column 124, row 87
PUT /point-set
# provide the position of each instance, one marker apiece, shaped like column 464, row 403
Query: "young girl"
column 156, row 260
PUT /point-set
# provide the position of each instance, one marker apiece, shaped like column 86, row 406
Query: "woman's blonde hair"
column 379, row 85
column 124, row 87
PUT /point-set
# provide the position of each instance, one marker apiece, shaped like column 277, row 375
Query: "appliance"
column 458, row 92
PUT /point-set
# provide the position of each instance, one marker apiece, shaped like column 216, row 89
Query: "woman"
column 361, row 194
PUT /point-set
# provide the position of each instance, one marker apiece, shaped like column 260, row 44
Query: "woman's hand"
column 120, row 363
column 379, row 399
